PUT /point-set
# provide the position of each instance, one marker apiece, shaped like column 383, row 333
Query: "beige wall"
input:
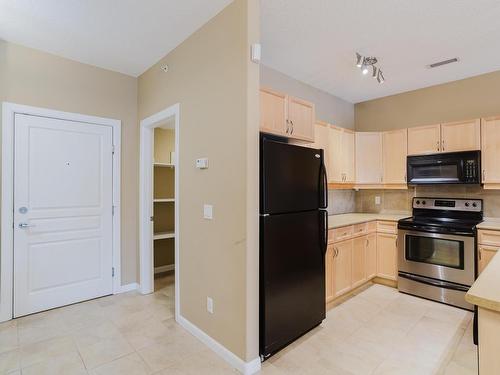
column 459, row 100
column 217, row 88
column 40, row 79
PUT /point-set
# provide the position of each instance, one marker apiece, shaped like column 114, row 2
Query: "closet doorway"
column 159, row 206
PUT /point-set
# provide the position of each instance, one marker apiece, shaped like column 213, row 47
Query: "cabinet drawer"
column 489, row 237
column 372, row 226
column 340, row 234
column 387, row 227
column 360, row 229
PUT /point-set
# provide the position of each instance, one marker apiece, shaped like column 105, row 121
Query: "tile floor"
column 378, row 331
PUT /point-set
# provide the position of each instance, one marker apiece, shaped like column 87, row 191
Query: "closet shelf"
column 164, row 165
column 164, row 200
column 163, row 235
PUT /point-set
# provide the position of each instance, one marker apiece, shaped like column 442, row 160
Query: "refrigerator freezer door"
column 292, row 277
column 293, row 178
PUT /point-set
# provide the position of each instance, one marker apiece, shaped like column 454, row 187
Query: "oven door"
column 439, row 256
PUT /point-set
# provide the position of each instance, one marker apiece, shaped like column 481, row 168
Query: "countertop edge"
column 480, row 293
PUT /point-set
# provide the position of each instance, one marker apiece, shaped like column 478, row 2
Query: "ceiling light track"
column 367, row 62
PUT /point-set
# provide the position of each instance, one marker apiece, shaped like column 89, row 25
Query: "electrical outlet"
column 208, row 211
column 377, row 200
column 210, row 305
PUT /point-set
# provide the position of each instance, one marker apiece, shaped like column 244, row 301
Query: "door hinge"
column 112, row 271
column 113, row 210
column 113, row 149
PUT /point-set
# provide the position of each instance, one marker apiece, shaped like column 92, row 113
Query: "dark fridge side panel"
column 293, row 178
column 292, row 277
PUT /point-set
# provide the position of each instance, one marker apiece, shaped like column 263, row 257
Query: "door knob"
column 26, row 225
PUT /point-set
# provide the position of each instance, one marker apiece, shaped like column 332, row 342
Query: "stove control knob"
column 474, row 204
column 423, row 202
column 467, row 204
column 417, row 202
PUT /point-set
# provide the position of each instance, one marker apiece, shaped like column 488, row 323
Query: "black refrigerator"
column 293, row 241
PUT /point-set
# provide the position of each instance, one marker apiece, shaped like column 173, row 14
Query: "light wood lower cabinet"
column 371, row 256
column 329, row 273
column 342, row 267
column 485, row 254
column 387, row 251
column 358, row 261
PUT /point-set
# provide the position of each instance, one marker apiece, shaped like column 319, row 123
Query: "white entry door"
column 63, row 198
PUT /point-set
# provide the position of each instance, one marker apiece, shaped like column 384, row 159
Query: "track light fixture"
column 364, row 63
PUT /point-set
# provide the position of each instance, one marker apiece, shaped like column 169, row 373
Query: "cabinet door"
column 490, row 147
column 321, row 140
column 358, row 261
column 387, row 256
column 273, row 112
column 461, row 136
column 394, row 156
column 485, row 254
column 424, row 140
column 348, row 154
column 301, row 117
column 335, row 164
column 342, row 267
column 329, row 273
column 368, row 158
column 371, row 255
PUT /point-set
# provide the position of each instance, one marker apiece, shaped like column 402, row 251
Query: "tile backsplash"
column 341, row 201
column 400, row 200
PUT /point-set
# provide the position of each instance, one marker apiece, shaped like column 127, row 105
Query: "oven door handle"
column 433, row 282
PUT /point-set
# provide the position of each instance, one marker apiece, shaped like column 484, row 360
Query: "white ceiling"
column 127, row 36
column 315, row 41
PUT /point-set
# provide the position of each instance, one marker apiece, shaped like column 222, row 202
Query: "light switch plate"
column 208, row 211
column 210, row 305
column 377, row 200
column 202, row 163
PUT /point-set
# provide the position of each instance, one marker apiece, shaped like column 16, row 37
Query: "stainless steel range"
column 437, row 249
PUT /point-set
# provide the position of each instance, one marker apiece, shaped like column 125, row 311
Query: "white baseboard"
column 166, row 268
column 127, row 288
column 246, row 368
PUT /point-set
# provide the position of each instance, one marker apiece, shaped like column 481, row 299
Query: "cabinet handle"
column 287, row 125
column 438, row 145
column 405, row 177
column 484, row 175
column 367, row 242
column 335, row 252
column 479, row 253
column 442, row 144
column 396, row 242
column 291, row 131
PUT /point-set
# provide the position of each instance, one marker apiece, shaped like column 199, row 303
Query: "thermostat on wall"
column 202, row 163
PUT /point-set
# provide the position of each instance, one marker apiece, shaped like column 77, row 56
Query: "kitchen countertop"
column 485, row 291
column 342, row 220
column 492, row 223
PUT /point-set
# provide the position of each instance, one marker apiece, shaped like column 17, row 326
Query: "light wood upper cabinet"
column 342, row 267
column 301, row 119
column 387, row 256
column 286, row 116
column 371, row 255
column 461, row 136
column 369, row 158
column 335, row 165
column 321, row 140
column 485, row 254
column 273, row 112
column 359, row 261
column 424, row 140
column 490, row 150
column 348, row 155
column 394, row 156
column 341, row 156
column 329, row 273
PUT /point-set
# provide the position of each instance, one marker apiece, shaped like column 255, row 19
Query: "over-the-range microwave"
column 444, row 168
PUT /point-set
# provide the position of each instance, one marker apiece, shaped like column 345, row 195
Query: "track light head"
column 380, row 77
column 374, row 72
column 359, row 60
column 364, row 69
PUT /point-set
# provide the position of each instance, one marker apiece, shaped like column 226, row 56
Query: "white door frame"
column 9, row 111
column 146, row 199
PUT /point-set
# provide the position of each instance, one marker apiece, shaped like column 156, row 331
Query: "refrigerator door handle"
column 324, row 229
column 323, row 185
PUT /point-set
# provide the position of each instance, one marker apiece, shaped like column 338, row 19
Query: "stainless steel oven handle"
column 433, row 282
